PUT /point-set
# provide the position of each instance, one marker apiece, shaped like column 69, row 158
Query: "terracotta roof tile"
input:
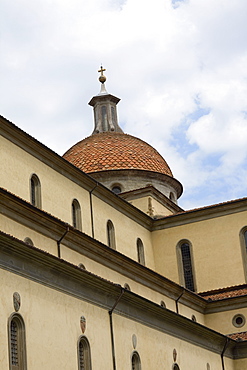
column 212, row 206
column 229, row 292
column 115, row 151
column 238, row 336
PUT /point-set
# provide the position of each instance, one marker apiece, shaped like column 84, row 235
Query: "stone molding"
column 153, row 192
column 43, row 268
column 51, row 227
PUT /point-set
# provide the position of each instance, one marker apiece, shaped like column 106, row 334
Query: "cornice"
column 103, row 98
column 51, row 227
column 123, row 206
column 201, row 214
column 162, row 177
column 226, row 304
column 155, row 193
column 43, row 268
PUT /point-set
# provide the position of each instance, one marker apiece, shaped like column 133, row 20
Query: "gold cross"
column 101, row 70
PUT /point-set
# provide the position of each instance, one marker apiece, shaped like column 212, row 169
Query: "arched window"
column 35, row 191
column 110, row 235
column 175, row 367
column 104, row 118
column 140, row 252
column 172, row 197
column 162, row 303
column 76, row 214
column 127, row 287
column 116, row 189
column 193, row 318
column 186, row 265
column 84, row 354
column 17, row 343
column 135, row 361
column 243, row 240
column 113, row 115
column 28, row 241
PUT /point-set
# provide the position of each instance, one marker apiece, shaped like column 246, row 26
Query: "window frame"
column 137, row 365
column 87, row 354
column 104, row 118
column 116, row 188
column 181, row 266
column 172, row 197
column 35, row 191
column 21, row 338
column 110, row 234
column 29, row 241
column 140, row 252
column 243, row 243
column 76, row 214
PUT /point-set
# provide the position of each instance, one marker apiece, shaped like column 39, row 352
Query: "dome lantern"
column 105, row 109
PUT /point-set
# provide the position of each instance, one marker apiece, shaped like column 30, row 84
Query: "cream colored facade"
column 159, row 319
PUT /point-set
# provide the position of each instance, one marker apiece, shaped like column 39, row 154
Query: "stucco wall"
column 21, row 232
column 52, row 321
column 57, row 191
column 156, row 207
column 116, row 277
column 126, row 231
column 216, row 251
column 156, row 348
column 222, row 321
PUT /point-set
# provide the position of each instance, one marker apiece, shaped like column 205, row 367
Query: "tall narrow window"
column 245, row 240
column 76, row 214
column 104, row 118
column 17, row 345
column 84, row 355
column 172, row 197
column 135, row 362
column 140, row 252
column 185, row 257
column 113, row 115
column 111, row 235
column 35, row 191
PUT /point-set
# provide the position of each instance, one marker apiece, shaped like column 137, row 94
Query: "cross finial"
column 102, row 78
column 101, row 70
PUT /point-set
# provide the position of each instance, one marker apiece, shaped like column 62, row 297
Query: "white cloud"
column 179, row 68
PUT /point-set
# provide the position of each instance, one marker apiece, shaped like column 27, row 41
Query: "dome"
column 121, row 162
column 115, row 151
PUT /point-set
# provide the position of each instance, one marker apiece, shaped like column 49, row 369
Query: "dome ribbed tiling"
column 115, row 151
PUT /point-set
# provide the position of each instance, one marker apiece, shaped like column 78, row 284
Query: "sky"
column 179, row 67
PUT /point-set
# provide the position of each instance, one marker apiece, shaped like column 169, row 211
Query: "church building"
column 100, row 267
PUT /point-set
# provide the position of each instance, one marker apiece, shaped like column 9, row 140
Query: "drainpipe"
column 59, row 242
column 91, row 207
column 223, row 352
column 178, row 300
column 111, row 328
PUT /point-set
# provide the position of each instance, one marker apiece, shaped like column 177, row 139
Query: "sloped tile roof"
column 229, row 292
column 115, row 151
column 238, row 336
